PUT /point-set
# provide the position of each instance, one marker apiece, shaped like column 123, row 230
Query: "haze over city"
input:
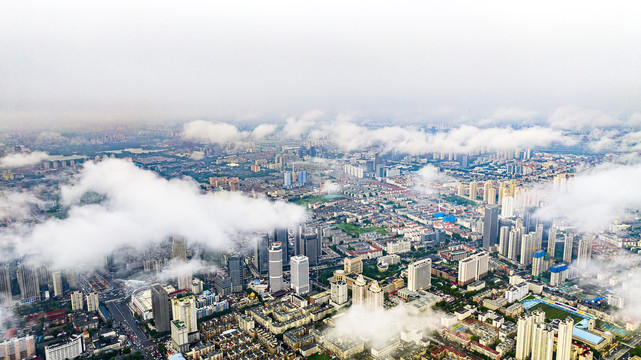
column 320, row 180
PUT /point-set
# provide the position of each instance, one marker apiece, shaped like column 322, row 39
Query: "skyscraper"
column 507, row 207
column 543, row 342
column 184, row 309
column 280, row 235
column 486, row 190
column 473, row 190
column 419, row 275
column 339, row 292
column 178, row 248
column 584, row 251
column 504, row 238
column 491, row 196
column 564, row 340
column 77, row 303
column 160, row 308
column 57, row 283
column 567, row 248
column 287, row 179
column 491, row 226
column 92, row 302
column 276, row 268
column 538, row 262
column 261, row 254
column 359, row 291
column 312, row 248
column 514, row 243
column 5, row 281
column 525, row 333
column 300, row 274
column 527, row 249
column 299, row 241
column 28, row 283
column 235, row 270
column 538, row 236
column 375, row 297
column 551, row 242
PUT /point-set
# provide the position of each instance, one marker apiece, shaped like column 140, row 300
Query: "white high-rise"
column 375, row 297
column 473, row 190
column 92, row 302
column 184, row 309
column 472, row 268
column 543, row 342
column 504, row 237
column 300, row 273
column 359, row 291
column 526, row 332
column 514, row 241
column 419, row 275
column 564, row 340
column 339, row 292
column 584, row 251
column 551, row 242
column 77, row 302
column 507, row 207
column 57, row 283
column 567, row 248
column 276, row 268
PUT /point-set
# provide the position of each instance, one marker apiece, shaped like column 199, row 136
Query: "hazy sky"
column 409, row 60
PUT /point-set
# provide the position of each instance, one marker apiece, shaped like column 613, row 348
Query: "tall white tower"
column 300, row 273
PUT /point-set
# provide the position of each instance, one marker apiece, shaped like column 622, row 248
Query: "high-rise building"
column 28, row 283
column 92, row 302
column 160, row 308
column 419, row 275
column 491, row 196
column 514, row 244
column 538, row 262
column 353, row 265
column 375, row 297
column 280, row 235
column 312, row 248
column 185, row 279
column 558, row 274
column 527, row 249
column 564, row 339
column 551, row 242
column 235, row 270
column 584, row 251
column 299, row 241
column 359, row 291
column 472, row 268
column 276, row 268
column 538, row 236
column 5, row 281
column 300, row 274
column 507, row 207
column 491, row 226
column 504, row 238
column 302, row 177
column 339, row 292
column 287, row 179
column 56, row 276
column 184, row 309
column 18, row 348
column 489, row 184
column 461, row 190
column 261, row 254
column 502, row 187
column 567, row 248
column 179, row 336
column 77, row 303
column 473, row 190
column 178, row 248
column 543, row 342
column 525, row 333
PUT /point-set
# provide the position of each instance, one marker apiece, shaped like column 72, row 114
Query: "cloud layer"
column 138, row 208
column 22, row 159
column 597, row 197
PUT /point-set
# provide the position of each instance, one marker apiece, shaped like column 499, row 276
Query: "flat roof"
column 587, row 336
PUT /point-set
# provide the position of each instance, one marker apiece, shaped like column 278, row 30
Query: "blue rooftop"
column 177, row 356
column 584, row 335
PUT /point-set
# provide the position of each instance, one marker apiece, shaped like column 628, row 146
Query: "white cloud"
column 596, row 197
column 141, row 209
column 573, row 117
column 330, row 187
column 263, row 130
column 179, row 268
column 16, row 206
column 197, row 155
column 509, row 115
column 463, row 139
column 381, row 325
column 429, row 178
column 212, row 133
column 295, row 128
column 22, row 159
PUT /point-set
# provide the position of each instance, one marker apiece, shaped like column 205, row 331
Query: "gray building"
column 28, row 283
column 261, row 254
column 235, row 270
column 280, row 235
column 491, row 226
column 160, row 308
column 312, row 248
column 276, row 268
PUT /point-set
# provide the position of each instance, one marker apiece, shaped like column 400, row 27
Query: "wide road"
column 121, row 314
